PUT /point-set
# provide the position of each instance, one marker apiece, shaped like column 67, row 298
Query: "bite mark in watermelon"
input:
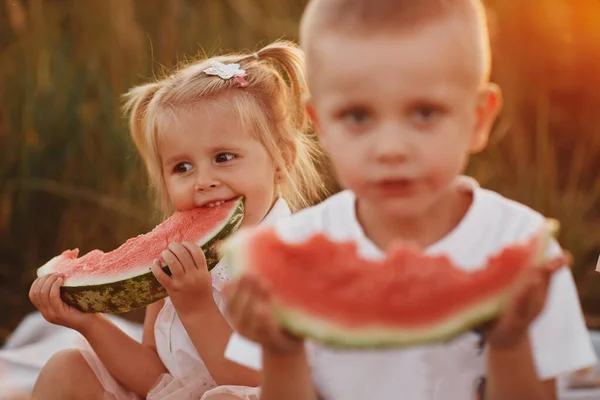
column 325, row 291
column 121, row 280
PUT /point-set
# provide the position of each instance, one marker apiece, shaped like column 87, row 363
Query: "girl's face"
column 208, row 157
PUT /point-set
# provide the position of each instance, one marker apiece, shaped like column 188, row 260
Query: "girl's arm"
column 135, row 365
column 210, row 333
column 287, row 376
column 190, row 289
column 512, row 375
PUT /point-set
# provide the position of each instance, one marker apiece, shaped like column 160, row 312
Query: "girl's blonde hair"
column 270, row 107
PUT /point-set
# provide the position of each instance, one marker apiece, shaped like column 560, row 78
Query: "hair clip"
column 227, row 71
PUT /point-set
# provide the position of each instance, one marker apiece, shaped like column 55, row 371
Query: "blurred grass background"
column 69, row 176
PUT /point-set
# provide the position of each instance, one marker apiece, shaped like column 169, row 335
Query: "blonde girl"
column 217, row 129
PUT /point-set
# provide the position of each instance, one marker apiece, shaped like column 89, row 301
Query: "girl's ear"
column 489, row 106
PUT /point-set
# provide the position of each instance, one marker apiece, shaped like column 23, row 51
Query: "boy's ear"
column 489, row 106
column 312, row 114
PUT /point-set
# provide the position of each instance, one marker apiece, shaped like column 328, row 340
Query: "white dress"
column 188, row 377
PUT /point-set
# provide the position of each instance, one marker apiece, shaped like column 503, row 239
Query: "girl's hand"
column 249, row 307
column 528, row 301
column 45, row 296
column 190, row 283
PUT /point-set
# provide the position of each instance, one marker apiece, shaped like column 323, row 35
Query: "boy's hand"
column 249, row 307
column 190, row 283
column 511, row 328
column 45, row 296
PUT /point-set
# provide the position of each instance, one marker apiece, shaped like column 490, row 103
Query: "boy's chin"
column 399, row 208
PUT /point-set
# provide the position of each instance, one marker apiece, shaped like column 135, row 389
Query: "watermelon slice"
column 324, row 290
column 121, row 280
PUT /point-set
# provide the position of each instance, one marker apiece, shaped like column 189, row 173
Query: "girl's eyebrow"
column 225, row 149
column 173, row 159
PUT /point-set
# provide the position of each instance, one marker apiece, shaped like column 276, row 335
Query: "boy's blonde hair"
column 371, row 17
column 270, row 107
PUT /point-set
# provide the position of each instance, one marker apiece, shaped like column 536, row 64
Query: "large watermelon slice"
column 121, row 280
column 324, row 290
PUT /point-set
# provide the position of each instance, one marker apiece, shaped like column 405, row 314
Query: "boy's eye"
column 224, row 157
column 182, row 168
column 357, row 116
column 426, row 113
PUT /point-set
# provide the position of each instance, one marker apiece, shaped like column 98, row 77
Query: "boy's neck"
column 422, row 230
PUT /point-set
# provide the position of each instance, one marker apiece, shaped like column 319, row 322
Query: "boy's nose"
column 391, row 148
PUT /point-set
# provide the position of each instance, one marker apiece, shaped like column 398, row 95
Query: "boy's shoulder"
column 508, row 215
column 326, row 216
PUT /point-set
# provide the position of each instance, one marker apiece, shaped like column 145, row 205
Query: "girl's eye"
column 182, row 168
column 224, row 157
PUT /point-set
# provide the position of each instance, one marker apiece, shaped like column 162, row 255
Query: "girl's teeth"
column 216, row 203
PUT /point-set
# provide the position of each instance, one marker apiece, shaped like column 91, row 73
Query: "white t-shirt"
column 448, row 371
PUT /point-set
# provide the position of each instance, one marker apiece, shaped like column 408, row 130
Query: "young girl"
column 399, row 126
column 214, row 130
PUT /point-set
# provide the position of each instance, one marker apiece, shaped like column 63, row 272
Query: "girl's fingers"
column 160, row 275
column 54, row 296
column 34, row 291
column 45, row 290
column 173, row 264
column 183, row 256
column 196, row 254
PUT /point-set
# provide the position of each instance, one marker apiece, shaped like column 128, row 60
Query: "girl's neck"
column 424, row 229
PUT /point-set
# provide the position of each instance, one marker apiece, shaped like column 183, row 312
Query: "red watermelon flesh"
column 324, row 290
column 124, row 269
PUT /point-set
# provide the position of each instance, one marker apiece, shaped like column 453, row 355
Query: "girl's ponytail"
column 291, row 59
column 136, row 104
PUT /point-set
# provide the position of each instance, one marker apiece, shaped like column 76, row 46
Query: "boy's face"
column 399, row 113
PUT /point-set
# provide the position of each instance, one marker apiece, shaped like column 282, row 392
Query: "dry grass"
column 69, row 176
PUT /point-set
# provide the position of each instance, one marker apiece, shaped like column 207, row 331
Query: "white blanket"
column 35, row 341
column 31, row 345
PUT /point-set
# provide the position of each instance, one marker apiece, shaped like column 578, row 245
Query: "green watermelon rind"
column 139, row 291
column 346, row 337
column 335, row 335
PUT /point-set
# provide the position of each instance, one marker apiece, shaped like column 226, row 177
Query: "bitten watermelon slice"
column 324, row 290
column 121, row 280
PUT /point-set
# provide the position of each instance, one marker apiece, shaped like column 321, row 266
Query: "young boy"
column 401, row 97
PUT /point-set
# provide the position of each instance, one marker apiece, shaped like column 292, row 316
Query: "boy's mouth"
column 400, row 186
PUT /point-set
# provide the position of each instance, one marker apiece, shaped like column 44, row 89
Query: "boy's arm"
column 135, row 365
column 287, row 376
column 512, row 375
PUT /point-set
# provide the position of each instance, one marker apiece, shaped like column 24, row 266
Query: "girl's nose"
column 206, row 185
